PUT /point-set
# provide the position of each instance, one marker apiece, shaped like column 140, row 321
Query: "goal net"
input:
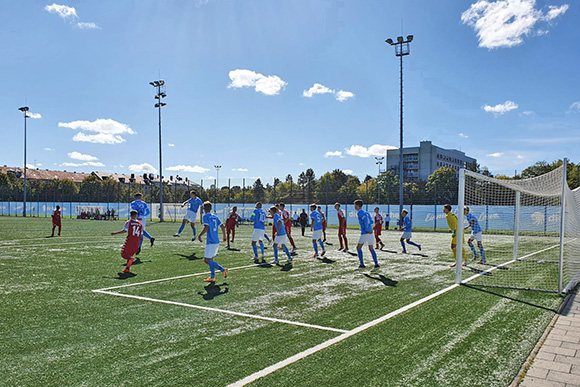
column 522, row 234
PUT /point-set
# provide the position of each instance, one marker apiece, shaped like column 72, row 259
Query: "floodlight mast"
column 24, row 110
column 160, row 86
column 401, row 49
column 379, row 161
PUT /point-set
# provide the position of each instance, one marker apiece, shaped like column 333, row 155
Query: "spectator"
column 295, row 219
column 387, row 220
column 303, row 219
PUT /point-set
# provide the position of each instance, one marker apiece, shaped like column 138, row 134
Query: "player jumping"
column 142, row 211
column 476, row 234
column 341, row 228
column 258, row 217
column 56, row 222
column 407, row 232
column 134, row 228
column 452, row 223
column 366, row 235
column 316, row 228
column 280, row 235
column 378, row 228
column 211, row 222
column 191, row 215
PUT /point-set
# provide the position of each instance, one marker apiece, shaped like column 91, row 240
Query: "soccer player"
column 258, row 217
column 303, row 219
column 378, row 227
column 341, row 228
column 316, row 228
column 211, row 222
column 476, row 234
column 407, row 232
column 191, row 215
column 366, row 235
column 323, row 224
column 280, row 235
column 231, row 225
column 142, row 211
column 134, row 228
column 287, row 224
column 387, row 221
column 56, row 220
column 452, row 223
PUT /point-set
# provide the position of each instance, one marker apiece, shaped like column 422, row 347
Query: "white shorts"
column 143, row 221
column 366, row 239
column 258, row 235
column 211, row 250
column 281, row 239
column 477, row 236
column 190, row 216
column 406, row 234
column 316, row 234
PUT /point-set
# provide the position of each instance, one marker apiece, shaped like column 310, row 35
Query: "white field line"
column 223, row 311
column 101, row 242
column 292, row 359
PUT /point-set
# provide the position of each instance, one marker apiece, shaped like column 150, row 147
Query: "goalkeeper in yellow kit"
column 452, row 223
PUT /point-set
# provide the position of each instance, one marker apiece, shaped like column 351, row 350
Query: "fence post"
column 326, row 200
column 229, row 191
column 367, row 194
column 244, row 192
column 562, row 224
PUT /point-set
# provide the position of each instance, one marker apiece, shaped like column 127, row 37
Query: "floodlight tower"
column 24, row 110
column 401, row 49
column 160, row 93
column 217, row 181
column 379, row 161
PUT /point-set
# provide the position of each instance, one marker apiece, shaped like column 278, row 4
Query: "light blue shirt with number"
column 194, row 204
column 141, row 207
column 279, row 223
column 316, row 220
column 258, row 217
column 213, row 222
column 366, row 221
column 476, row 228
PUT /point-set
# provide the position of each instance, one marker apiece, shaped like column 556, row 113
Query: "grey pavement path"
column 557, row 362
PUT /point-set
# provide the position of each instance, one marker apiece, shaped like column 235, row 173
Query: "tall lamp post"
column 401, row 49
column 160, row 93
column 379, row 161
column 24, row 110
column 217, row 181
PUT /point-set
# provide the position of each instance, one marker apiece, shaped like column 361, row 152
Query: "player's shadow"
column 386, row 281
column 124, row 276
column 389, row 251
column 265, row 265
column 213, row 290
column 191, row 257
column 287, row 267
column 325, row 260
column 492, row 265
column 420, row 255
column 476, row 270
column 352, row 253
column 329, row 243
column 483, row 290
column 232, row 249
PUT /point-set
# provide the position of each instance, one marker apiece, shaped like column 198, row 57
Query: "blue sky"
column 266, row 88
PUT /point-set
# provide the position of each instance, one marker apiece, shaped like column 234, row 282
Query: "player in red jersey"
column 134, row 228
column 377, row 228
column 341, row 228
column 231, row 224
column 287, row 224
column 323, row 224
column 56, row 220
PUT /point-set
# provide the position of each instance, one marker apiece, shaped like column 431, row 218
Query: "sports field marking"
column 223, row 311
column 299, row 356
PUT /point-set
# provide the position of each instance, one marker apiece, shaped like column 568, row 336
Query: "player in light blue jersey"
column 142, row 212
column 407, row 232
column 191, row 216
column 258, row 217
column 476, row 234
column 316, row 227
column 211, row 222
column 366, row 236
column 281, row 235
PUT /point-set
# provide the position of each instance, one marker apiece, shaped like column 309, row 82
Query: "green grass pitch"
column 57, row 331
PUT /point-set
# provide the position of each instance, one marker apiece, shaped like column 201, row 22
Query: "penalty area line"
column 239, row 314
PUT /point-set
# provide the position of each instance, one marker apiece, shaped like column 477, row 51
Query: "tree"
column 258, row 190
column 443, row 185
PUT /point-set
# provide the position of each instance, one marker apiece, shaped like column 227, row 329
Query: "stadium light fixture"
column 160, row 91
column 217, row 181
column 379, row 161
column 401, row 49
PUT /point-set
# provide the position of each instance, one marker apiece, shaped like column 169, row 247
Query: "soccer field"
column 68, row 318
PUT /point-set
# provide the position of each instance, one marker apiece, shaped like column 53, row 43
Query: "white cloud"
column 528, row 113
column 188, row 168
column 209, row 178
column 342, row 95
column 280, row 153
column 373, row 150
column 88, row 26
column 575, row 107
column 63, row 11
column 171, row 145
column 334, row 154
column 269, row 85
column 520, row 157
column 48, row 149
column 463, row 135
column 85, row 164
column 30, row 166
column 107, row 131
column 501, row 108
column 34, row 116
column 497, row 154
column 301, row 164
column 317, row 88
column 80, row 156
column 142, row 168
column 503, row 23
column 347, row 171
column 240, row 170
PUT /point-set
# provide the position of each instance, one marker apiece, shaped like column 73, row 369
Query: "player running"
column 191, row 215
column 56, row 221
column 341, row 228
column 366, row 235
column 142, row 211
column 407, row 232
column 476, row 234
column 287, row 225
column 316, row 228
column 258, row 217
column 211, row 222
column 378, row 228
column 134, row 228
column 323, row 224
column 452, row 223
column 231, row 225
column 280, row 235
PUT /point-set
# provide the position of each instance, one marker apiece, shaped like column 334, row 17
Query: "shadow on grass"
column 389, row 251
column 483, row 290
column 325, row 260
column 287, row 267
column 191, row 257
column 213, row 290
column 420, row 255
column 232, row 249
column 124, row 276
column 386, row 281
